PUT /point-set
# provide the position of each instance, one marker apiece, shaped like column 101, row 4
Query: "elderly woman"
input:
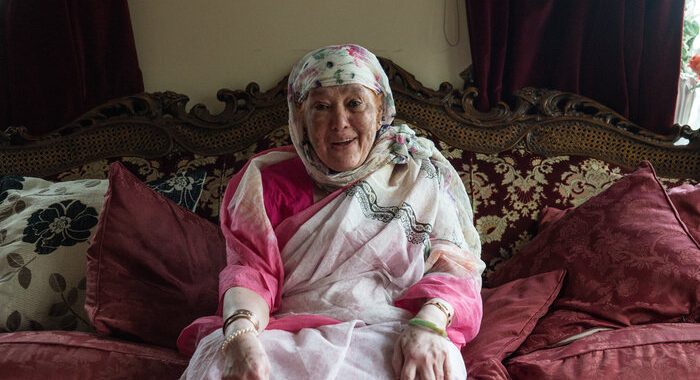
column 352, row 254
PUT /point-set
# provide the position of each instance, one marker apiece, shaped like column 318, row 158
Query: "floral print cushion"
column 183, row 188
column 45, row 230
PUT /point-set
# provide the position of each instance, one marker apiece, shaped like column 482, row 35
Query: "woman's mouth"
column 343, row 143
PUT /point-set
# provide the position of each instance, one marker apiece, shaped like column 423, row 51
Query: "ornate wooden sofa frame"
column 548, row 148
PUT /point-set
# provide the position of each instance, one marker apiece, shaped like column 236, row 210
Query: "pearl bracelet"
column 235, row 335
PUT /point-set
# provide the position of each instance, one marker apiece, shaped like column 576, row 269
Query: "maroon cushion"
column 629, row 260
column 549, row 215
column 152, row 267
column 686, row 198
column 45, row 355
column 655, row 351
column 510, row 313
column 491, row 369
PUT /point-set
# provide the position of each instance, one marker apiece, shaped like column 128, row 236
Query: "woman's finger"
column 447, row 368
column 258, row 371
column 427, row 372
column 439, row 369
column 408, row 372
column 397, row 358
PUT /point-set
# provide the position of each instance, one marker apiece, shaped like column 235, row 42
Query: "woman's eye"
column 320, row 106
column 354, row 103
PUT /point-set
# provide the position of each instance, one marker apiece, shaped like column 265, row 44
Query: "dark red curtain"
column 59, row 58
column 624, row 54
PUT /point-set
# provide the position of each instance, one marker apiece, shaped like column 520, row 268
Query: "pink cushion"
column 510, row 313
column 655, row 351
column 629, row 260
column 78, row 355
column 152, row 267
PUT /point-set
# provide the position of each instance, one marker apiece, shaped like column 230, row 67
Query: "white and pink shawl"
column 343, row 275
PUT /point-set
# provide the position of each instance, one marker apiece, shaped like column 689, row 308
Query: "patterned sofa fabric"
column 507, row 190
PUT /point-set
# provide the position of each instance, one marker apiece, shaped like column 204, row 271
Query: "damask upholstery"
column 507, row 189
column 629, row 259
column 545, row 149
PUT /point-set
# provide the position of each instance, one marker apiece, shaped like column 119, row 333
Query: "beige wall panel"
column 198, row 47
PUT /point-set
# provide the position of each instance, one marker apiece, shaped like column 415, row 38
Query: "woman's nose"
column 339, row 118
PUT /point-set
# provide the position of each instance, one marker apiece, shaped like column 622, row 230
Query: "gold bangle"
column 235, row 335
column 442, row 308
column 238, row 314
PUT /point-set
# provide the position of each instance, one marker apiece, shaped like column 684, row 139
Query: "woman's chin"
column 342, row 168
column 342, row 161
column 343, row 165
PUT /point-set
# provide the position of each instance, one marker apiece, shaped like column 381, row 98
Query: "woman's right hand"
column 245, row 359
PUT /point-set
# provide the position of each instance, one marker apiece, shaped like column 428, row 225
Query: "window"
column 688, row 101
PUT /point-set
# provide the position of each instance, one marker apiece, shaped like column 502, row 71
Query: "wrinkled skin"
column 420, row 354
column 246, row 359
column 341, row 123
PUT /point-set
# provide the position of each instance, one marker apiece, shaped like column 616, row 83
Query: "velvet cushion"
column 30, row 355
column 510, row 313
column 655, row 351
column 629, row 260
column 152, row 266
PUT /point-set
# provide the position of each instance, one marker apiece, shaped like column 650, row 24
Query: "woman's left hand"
column 421, row 354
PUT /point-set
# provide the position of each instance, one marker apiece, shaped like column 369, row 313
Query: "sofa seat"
column 80, row 355
column 653, row 351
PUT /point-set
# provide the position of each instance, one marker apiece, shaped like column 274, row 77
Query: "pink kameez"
column 257, row 241
column 343, row 275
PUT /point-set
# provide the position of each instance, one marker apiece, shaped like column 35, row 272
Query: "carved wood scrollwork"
column 154, row 124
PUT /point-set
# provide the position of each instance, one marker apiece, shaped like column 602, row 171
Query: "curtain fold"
column 58, row 59
column 624, row 54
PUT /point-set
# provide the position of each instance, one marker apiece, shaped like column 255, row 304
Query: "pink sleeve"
column 252, row 256
column 272, row 192
column 462, row 293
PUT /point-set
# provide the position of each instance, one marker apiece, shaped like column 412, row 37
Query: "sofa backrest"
column 549, row 149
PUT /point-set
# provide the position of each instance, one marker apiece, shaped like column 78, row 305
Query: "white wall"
column 198, row 47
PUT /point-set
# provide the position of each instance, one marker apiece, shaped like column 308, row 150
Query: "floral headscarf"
column 339, row 65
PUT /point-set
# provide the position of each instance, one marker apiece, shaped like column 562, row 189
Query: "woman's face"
column 342, row 123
